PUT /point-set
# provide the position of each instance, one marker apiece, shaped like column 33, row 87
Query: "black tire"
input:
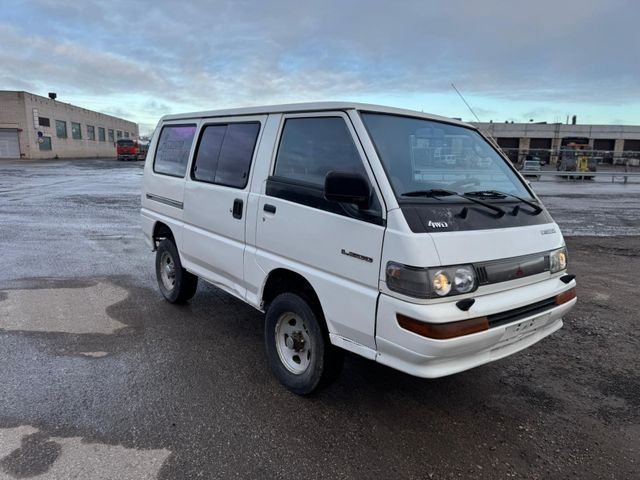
column 184, row 284
column 325, row 361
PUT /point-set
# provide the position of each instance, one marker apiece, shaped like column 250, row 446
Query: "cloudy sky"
column 513, row 60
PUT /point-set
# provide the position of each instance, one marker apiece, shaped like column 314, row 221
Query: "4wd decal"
column 433, row 224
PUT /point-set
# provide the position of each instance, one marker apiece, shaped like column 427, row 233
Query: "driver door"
column 336, row 247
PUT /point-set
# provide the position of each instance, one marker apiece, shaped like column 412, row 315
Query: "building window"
column 91, row 132
column 61, row 129
column 119, row 134
column 126, row 134
column 44, row 122
column 44, row 143
column 76, row 132
column 111, row 139
column 101, row 136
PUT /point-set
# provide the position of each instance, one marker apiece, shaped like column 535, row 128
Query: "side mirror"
column 345, row 187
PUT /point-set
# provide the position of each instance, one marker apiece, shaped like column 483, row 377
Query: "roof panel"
column 311, row 107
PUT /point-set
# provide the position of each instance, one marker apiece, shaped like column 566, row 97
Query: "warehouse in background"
column 32, row 126
column 613, row 144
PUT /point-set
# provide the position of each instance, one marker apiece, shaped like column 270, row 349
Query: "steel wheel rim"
column 293, row 342
column 167, row 271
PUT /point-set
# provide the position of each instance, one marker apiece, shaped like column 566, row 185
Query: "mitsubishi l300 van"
column 403, row 237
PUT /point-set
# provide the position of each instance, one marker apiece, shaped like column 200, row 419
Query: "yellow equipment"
column 582, row 163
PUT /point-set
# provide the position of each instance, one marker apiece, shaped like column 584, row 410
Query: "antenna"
column 487, row 134
column 465, row 102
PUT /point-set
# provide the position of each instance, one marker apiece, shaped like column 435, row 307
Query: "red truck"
column 128, row 149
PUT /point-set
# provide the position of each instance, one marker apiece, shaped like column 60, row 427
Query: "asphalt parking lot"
column 100, row 378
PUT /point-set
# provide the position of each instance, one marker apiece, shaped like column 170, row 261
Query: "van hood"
column 483, row 245
column 463, row 233
column 457, row 246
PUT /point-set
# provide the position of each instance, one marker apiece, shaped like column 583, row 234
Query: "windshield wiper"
column 438, row 192
column 496, row 193
column 432, row 192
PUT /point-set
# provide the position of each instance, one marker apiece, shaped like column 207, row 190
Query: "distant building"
column 32, row 126
column 610, row 143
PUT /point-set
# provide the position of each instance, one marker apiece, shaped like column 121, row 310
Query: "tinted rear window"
column 172, row 153
column 225, row 152
column 236, row 154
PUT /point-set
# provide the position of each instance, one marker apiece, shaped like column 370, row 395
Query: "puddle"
column 94, row 354
column 66, row 310
column 25, row 452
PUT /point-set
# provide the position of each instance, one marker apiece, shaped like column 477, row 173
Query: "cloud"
column 214, row 54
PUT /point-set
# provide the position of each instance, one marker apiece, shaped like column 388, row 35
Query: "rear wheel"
column 176, row 284
column 298, row 347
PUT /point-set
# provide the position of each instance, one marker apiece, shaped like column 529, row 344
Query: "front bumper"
column 429, row 358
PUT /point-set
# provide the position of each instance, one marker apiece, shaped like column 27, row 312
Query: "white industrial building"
column 611, row 143
column 32, row 126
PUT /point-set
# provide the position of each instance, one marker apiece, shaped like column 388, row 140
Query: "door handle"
column 269, row 208
column 237, row 208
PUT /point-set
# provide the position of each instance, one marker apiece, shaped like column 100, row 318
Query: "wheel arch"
column 161, row 231
column 281, row 280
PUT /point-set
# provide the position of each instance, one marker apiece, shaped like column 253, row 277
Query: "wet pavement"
column 592, row 207
column 101, row 378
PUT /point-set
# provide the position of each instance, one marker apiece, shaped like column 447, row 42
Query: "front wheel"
column 298, row 347
column 176, row 284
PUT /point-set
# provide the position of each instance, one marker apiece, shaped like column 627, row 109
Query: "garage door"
column 9, row 146
column 510, row 146
column 541, row 148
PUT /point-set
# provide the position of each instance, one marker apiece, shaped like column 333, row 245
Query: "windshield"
column 420, row 155
column 125, row 143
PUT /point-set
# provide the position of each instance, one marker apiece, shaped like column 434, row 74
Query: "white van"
column 403, row 237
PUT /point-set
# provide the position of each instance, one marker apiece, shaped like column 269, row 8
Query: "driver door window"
column 312, row 147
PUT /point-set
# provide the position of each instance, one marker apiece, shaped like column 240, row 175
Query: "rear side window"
column 224, row 154
column 172, row 153
column 312, row 147
column 206, row 162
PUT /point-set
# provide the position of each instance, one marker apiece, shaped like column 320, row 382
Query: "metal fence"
column 603, row 157
column 614, row 174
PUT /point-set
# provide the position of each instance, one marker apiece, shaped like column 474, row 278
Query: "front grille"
column 506, row 269
column 483, row 279
column 509, row 316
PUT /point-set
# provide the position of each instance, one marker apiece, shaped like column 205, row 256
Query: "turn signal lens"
column 565, row 297
column 443, row 331
column 407, row 280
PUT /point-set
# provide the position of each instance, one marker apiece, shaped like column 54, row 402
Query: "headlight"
column 464, row 279
column 430, row 282
column 558, row 260
column 441, row 283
